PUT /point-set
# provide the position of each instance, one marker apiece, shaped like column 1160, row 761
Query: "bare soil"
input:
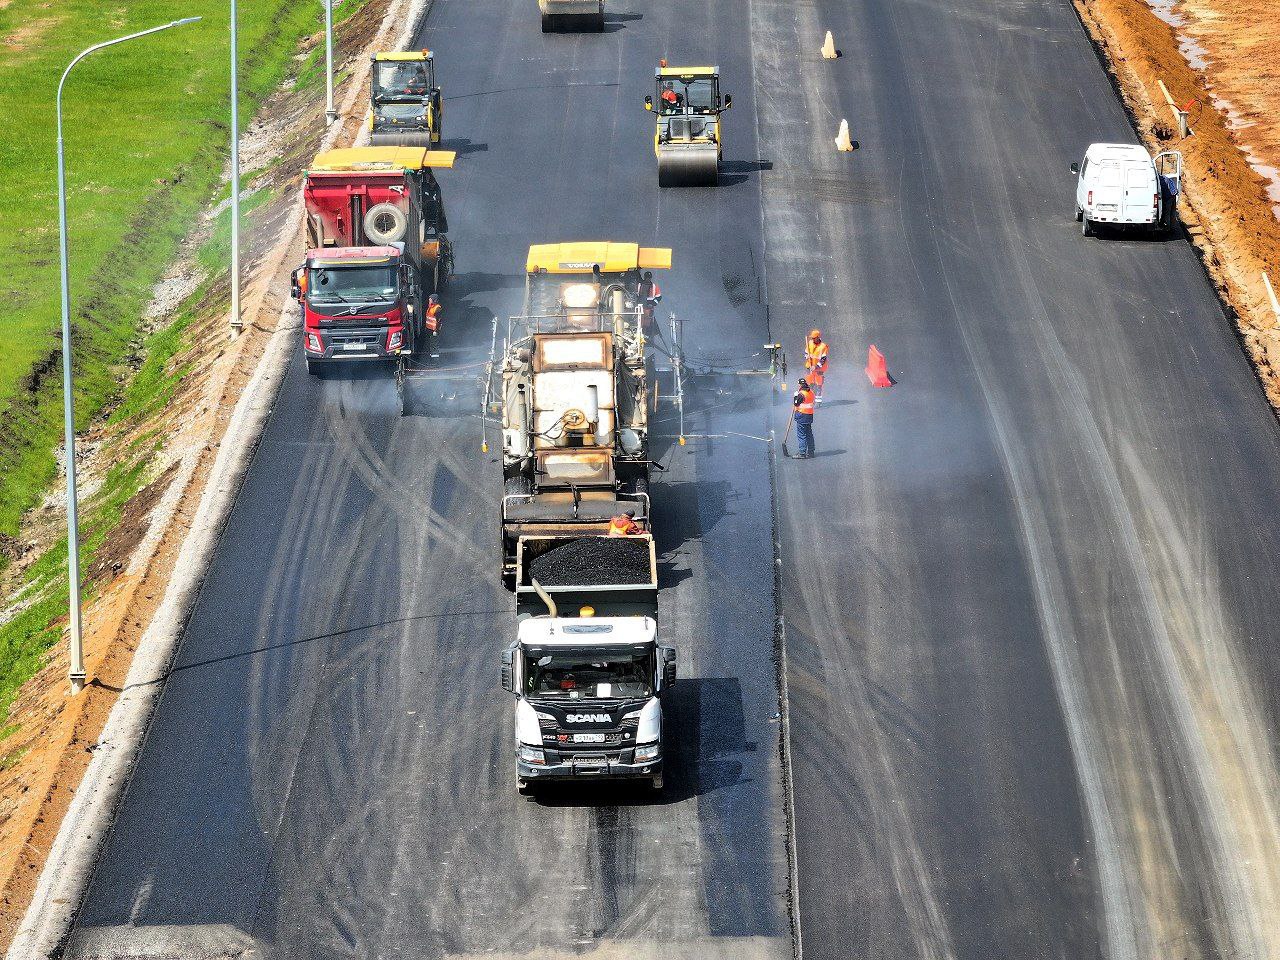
column 54, row 735
column 1225, row 205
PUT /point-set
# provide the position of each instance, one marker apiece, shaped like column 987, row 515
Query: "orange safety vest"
column 623, row 526
column 433, row 317
column 804, row 401
column 815, row 356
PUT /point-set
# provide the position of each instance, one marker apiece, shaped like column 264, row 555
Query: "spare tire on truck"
column 385, row 223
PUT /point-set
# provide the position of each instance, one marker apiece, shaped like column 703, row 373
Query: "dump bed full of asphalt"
column 593, row 561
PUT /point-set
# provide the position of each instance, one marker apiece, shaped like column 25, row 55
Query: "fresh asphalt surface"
column 1028, row 594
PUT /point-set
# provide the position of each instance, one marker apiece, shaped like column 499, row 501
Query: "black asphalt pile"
column 593, row 561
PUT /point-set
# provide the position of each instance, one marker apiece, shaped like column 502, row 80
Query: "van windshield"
column 598, row 673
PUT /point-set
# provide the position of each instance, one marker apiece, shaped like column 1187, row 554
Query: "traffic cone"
column 843, row 143
column 829, row 51
column 878, row 368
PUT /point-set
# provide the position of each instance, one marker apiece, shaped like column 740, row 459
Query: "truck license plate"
column 591, row 762
column 588, row 738
column 353, row 346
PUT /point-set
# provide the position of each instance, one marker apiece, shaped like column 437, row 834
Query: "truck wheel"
column 1086, row 226
column 656, row 783
column 524, row 787
column 1079, row 214
column 597, row 23
column 639, row 483
column 316, row 368
column 548, row 23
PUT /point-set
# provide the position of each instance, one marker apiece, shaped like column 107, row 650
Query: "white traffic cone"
column 843, row 143
column 829, row 51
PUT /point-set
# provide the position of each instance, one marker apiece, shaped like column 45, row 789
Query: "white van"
column 1122, row 185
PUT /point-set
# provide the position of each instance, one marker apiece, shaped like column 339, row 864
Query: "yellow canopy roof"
column 403, row 55
column 688, row 71
column 383, row 158
column 580, row 257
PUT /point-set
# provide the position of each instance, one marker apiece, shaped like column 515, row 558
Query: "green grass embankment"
column 146, row 137
column 146, row 134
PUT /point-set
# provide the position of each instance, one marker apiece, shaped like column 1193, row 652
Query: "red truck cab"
column 358, row 303
column 376, row 230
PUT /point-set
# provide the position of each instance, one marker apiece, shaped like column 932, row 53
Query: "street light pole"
column 68, row 401
column 236, row 322
column 329, row 113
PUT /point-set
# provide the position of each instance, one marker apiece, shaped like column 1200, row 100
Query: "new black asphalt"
column 1027, row 595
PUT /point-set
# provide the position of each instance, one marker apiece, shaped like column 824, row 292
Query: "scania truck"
column 586, row 667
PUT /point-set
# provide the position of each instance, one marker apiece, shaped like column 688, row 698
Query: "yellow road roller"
column 407, row 105
column 687, row 106
column 571, row 15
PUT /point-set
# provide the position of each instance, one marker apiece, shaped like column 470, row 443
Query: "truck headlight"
column 650, row 751
column 532, row 754
column 395, row 339
column 314, row 344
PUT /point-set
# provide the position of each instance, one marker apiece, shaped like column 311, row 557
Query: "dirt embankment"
column 53, row 735
column 1218, row 60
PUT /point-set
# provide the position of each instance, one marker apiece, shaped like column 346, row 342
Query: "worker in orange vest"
column 624, row 525
column 432, row 321
column 815, row 362
column 802, row 403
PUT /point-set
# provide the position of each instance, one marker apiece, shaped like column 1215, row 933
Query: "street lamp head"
column 178, row 23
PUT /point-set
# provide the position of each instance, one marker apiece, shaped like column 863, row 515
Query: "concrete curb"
column 73, row 856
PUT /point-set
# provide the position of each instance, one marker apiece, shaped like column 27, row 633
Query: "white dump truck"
column 586, row 667
column 1121, row 185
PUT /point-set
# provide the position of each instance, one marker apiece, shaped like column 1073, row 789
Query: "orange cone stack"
column 878, row 368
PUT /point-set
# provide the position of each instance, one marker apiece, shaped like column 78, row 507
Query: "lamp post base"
column 77, row 683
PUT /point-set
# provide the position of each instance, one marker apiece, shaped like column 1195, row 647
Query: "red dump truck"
column 377, row 250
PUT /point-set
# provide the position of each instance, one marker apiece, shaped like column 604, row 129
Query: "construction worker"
column 650, row 295
column 802, row 403
column 432, row 320
column 670, row 99
column 624, row 525
column 815, row 362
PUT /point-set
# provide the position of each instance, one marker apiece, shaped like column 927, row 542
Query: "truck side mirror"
column 668, row 666
column 295, row 287
column 728, row 100
column 508, row 670
column 648, row 103
column 1075, row 168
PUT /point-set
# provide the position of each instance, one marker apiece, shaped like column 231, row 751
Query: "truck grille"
column 552, row 735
